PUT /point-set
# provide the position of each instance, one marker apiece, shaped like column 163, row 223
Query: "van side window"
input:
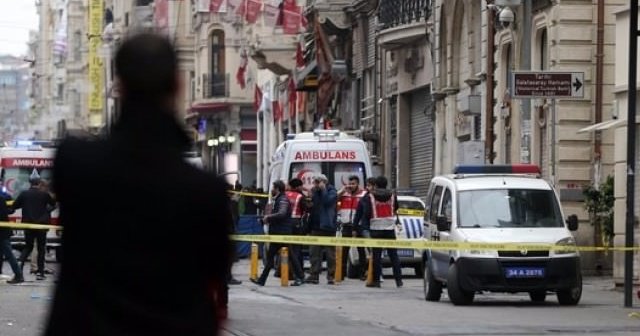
column 447, row 205
column 427, row 206
column 435, row 203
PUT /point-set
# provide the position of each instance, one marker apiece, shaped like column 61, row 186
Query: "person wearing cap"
column 323, row 223
column 36, row 206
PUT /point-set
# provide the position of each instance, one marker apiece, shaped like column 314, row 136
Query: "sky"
column 17, row 17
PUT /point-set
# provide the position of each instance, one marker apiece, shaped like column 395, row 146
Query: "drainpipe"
column 488, row 142
column 599, row 81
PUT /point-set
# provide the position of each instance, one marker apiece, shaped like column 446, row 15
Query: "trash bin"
column 248, row 224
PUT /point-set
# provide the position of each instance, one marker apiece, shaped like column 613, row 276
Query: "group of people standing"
column 327, row 212
column 36, row 203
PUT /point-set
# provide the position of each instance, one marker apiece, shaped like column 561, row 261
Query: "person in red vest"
column 348, row 198
column 300, row 206
column 383, row 207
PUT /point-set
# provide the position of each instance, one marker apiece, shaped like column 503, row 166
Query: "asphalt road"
column 350, row 308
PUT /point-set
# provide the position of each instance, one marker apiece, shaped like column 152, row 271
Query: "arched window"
column 216, row 85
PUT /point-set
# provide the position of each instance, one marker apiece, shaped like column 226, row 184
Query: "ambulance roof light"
column 326, row 135
column 497, row 169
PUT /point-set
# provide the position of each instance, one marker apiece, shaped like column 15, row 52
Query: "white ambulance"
column 18, row 163
column 330, row 152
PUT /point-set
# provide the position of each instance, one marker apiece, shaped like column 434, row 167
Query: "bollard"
column 338, row 276
column 284, row 267
column 370, row 271
column 253, row 266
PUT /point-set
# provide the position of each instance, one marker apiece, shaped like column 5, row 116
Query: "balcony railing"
column 395, row 13
column 216, row 85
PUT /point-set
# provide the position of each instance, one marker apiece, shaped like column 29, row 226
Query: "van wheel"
column 571, row 296
column 538, row 296
column 457, row 295
column 432, row 287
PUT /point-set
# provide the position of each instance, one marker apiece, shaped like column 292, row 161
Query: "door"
column 441, row 257
column 421, row 142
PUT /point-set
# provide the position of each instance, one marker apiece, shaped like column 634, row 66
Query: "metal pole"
column 631, row 152
column 525, row 64
column 553, row 142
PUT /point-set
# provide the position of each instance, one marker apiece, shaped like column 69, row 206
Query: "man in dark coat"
column 5, row 242
column 323, row 223
column 115, row 202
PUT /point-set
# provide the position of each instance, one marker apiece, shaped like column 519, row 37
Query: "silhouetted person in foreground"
column 126, row 228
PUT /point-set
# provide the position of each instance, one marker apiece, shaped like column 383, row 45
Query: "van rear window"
column 337, row 172
column 508, row 208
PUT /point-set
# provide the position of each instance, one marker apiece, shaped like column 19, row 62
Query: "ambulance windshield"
column 337, row 172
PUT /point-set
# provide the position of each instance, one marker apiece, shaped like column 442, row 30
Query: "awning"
column 209, row 107
column 605, row 125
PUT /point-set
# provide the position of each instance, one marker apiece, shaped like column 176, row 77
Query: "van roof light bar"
column 497, row 169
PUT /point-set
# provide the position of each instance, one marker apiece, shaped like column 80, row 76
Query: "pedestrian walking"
column 36, row 206
column 279, row 223
column 6, row 252
column 115, row 202
column 382, row 222
column 323, row 223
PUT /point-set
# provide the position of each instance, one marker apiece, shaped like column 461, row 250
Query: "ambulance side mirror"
column 442, row 223
column 572, row 222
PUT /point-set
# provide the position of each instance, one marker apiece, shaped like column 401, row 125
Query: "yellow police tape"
column 417, row 244
column 244, row 193
column 410, row 212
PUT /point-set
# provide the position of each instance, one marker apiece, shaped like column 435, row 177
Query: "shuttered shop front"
column 422, row 140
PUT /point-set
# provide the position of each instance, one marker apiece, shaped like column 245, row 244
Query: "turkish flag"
column 277, row 111
column 299, row 56
column 291, row 20
column 253, row 9
column 214, row 5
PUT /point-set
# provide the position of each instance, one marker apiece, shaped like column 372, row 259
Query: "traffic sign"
column 546, row 84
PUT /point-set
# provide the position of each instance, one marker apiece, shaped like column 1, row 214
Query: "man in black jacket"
column 36, row 205
column 279, row 222
column 5, row 243
column 115, row 202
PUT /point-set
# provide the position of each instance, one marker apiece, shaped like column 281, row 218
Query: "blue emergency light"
column 497, row 169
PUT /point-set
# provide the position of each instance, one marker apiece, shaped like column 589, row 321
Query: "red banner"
column 236, row 6
column 293, row 97
column 277, row 111
column 253, row 10
column 214, row 5
column 291, row 20
column 299, row 56
column 270, row 14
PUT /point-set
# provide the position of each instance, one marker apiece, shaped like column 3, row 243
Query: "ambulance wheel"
column 353, row 271
column 457, row 295
column 432, row 287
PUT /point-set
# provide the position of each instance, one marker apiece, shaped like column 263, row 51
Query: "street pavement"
column 350, row 308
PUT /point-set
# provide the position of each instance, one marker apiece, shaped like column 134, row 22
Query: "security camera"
column 506, row 16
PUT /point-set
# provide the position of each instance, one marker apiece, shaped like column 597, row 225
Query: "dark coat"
column 5, row 233
column 279, row 219
column 134, row 211
column 36, row 206
column 362, row 218
column 323, row 214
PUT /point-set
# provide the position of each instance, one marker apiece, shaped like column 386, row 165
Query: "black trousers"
column 40, row 238
column 274, row 249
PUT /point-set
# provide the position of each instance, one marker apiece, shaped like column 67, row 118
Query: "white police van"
column 499, row 204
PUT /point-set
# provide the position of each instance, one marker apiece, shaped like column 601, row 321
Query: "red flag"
column 291, row 20
column 293, row 96
column 289, row 4
column 257, row 98
column 242, row 69
column 253, row 9
column 214, row 5
column 299, row 56
column 271, row 14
